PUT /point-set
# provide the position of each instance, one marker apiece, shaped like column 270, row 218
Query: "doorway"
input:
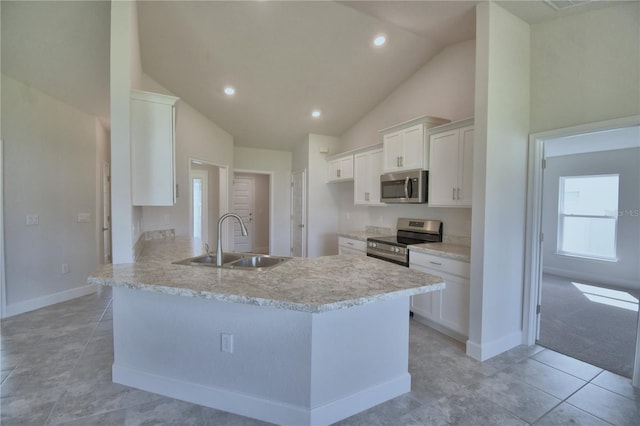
column 200, row 203
column 251, row 201
column 583, row 239
column 106, row 213
column 298, row 214
column 207, row 200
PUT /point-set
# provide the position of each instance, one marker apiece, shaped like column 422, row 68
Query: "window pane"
column 589, row 195
column 591, row 237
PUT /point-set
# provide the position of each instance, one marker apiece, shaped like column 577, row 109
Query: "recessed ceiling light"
column 380, row 40
column 315, row 113
column 229, row 90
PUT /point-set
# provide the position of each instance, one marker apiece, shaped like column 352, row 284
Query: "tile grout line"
column 84, row 348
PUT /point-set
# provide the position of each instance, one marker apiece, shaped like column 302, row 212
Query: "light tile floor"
column 56, row 370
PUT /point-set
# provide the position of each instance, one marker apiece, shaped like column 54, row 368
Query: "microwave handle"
column 408, row 188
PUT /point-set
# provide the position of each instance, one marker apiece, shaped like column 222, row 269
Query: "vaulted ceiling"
column 283, row 58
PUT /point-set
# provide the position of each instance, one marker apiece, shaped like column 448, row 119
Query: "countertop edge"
column 256, row 301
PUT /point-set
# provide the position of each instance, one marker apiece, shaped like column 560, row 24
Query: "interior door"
column 298, row 215
column 243, row 188
column 106, row 213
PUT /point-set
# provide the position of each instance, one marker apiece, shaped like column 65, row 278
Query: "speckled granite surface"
column 313, row 285
column 451, row 251
column 369, row 232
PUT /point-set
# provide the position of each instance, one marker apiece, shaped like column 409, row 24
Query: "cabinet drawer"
column 352, row 244
column 441, row 264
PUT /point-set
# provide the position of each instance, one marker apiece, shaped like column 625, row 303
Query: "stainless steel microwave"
column 404, row 187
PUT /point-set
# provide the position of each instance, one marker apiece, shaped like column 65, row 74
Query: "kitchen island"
column 311, row 341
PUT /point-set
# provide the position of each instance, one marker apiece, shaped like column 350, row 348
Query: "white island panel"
column 287, row 366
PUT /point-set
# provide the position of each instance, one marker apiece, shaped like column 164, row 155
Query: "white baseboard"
column 261, row 408
column 50, row 299
column 597, row 279
column 484, row 351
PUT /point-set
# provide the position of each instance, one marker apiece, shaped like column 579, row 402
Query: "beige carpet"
column 593, row 330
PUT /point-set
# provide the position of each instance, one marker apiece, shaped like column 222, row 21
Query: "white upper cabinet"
column 366, row 180
column 152, row 149
column 404, row 149
column 340, row 169
column 451, row 167
column 405, row 146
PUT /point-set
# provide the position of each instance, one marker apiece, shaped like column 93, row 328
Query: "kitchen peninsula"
column 311, row 341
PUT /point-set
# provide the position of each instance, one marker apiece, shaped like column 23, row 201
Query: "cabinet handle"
column 338, row 173
column 366, row 196
column 349, row 243
column 435, row 263
column 453, row 193
column 401, row 160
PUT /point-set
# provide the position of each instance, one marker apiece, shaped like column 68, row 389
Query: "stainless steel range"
column 410, row 231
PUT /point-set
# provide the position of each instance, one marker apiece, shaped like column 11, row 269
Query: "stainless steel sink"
column 257, row 262
column 248, row 261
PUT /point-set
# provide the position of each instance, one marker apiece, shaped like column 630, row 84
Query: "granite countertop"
column 312, row 285
column 363, row 235
column 451, row 251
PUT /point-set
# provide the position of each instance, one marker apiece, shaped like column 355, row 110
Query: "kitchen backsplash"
column 457, row 240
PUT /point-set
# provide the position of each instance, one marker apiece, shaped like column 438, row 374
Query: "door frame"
column 303, row 249
column 223, row 196
column 533, row 242
column 250, row 226
column 271, row 197
column 3, row 289
column 204, row 175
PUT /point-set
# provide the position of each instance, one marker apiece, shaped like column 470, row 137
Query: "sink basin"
column 257, row 262
column 209, row 259
column 248, row 261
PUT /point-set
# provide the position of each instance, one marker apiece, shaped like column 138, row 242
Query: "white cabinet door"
column 340, row 169
column 152, row 149
column 448, row 308
column 375, row 170
column 451, row 168
column 412, row 156
column 404, row 149
column 367, row 170
column 443, row 168
column 392, row 147
column 466, row 166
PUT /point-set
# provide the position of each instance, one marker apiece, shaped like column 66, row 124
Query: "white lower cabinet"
column 446, row 310
column 351, row 246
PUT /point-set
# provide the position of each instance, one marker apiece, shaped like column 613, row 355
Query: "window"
column 588, row 216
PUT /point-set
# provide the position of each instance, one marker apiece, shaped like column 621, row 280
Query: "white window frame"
column 562, row 216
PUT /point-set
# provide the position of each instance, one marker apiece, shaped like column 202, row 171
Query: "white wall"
column 279, row 164
column 125, row 75
column 499, row 181
column 443, row 87
column 197, row 137
column 49, row 170
column 585, row 68
column 626, row 271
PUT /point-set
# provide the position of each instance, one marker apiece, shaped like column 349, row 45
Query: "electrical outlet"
column 64, row 269
column 32, row 219
column 226, row 342
column 84, row 217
